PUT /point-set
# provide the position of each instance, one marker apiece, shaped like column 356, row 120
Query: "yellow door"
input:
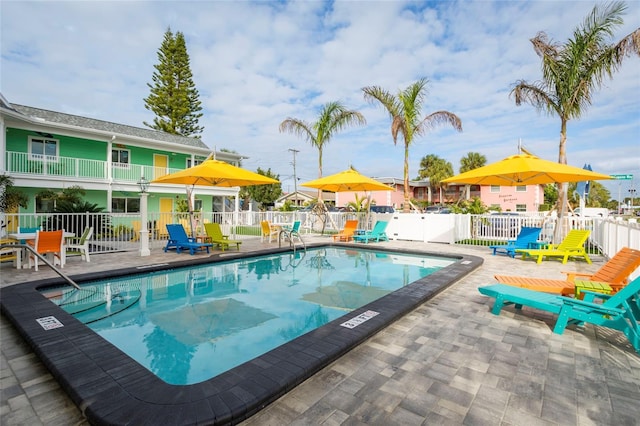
column 165, row 217
column 160, row 165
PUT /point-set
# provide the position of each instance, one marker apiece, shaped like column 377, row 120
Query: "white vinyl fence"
column 120, row 231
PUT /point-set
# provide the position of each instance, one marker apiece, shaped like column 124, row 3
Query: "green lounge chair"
column 214, row 232
column 571, row 246
column 179, row 240
column 289, row 232
column 377, row 233
column 620, row 311
column 524, row 239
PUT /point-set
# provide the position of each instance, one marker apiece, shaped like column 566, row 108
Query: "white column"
column 144, row 232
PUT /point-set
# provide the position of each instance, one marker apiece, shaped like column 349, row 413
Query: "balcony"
column 21, row 164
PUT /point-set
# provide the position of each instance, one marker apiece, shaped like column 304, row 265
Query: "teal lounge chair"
column 620, row 311
column 289, row 232
column 377, row 233
column 179, row 240
column 525, row 238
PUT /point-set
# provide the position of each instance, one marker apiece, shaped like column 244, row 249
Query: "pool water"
column 188, row 325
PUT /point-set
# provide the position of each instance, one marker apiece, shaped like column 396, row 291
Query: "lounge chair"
column 347, row 232
column 620, row 311
column 571, row 246
column 524, row 239
column 615, row 273
column 80, row 244
column 179, row 240
column 214, row 232
column 269, row 231
column 377, row 233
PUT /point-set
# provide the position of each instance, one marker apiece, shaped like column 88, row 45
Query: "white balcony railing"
column 82, row 169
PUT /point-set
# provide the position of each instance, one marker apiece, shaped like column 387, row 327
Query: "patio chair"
column 50, row 244
column 7, row 252
column 524, row 239
column 614, row 273
column 290, row 232
column 377, row 233
column 214, row 232
column 80, row 244
column 179, row 240
column 268, row 231
column 23, row 230
column 571, row 246
column 620, row 311
column 347, row 232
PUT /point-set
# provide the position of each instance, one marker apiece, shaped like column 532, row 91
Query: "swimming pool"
column 176, row 322
column 110, row 387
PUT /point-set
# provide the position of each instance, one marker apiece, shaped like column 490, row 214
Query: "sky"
column 257, row 63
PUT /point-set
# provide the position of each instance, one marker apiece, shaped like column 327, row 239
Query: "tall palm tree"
column 572, row 71
column 472, row 161
column 405, row 110
column 333, row 118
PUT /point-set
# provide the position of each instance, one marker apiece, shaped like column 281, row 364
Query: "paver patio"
column 448, row 362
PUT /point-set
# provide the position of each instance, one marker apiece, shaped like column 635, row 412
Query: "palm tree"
column 472, row 161
column 435, row 169
column 572, row 71
column 333, row 117
column 405, row 111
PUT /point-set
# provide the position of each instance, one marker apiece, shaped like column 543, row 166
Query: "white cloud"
column 256, row 63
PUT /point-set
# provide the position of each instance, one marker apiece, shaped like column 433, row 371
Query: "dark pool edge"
column 111, row 388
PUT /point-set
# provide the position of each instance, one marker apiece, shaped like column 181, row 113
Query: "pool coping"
column 111, row 388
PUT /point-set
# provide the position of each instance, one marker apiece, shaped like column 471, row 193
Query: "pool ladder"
column 32, row 250
column 289, row 235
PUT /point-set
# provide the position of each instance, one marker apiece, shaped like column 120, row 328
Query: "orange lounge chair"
column 615, row 273
column 346, row 234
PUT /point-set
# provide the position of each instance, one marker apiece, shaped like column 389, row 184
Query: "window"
column 195, row 162
column 120, row 156
column 197, row 205
column 40, row 147
column 125, row 205
column 495, row 188
column 522, row 188
column 45, row 205
column 521, row 207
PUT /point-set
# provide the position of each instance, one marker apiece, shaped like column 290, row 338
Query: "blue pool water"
column 188, row 325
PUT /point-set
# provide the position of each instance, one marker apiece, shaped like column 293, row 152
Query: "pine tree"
column 174, row 97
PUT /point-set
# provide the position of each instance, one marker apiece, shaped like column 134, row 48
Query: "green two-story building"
column 42, row 149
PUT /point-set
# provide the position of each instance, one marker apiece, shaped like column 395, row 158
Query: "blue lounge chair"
column 525, row 238
column 377, row 233
column 620, row 311
column 179, row 240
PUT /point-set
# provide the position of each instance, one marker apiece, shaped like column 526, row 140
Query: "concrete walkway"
column 448, row 362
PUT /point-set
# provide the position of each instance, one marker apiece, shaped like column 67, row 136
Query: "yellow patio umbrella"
column 348, row 180
column 524, row 169
column 213, row 172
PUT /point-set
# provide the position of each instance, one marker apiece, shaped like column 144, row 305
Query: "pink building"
column 513, row 198
column 507, row 198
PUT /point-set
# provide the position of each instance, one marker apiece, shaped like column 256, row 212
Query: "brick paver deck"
column 448, row 362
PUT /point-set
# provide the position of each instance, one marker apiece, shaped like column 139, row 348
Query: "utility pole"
column 295, row 179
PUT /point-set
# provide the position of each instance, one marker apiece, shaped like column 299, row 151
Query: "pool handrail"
column 46, row 262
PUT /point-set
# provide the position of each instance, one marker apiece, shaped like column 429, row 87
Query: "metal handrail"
column 289, row 234
column 32, row 250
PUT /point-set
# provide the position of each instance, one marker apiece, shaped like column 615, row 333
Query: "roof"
column 43, row 115
column 400, row 181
